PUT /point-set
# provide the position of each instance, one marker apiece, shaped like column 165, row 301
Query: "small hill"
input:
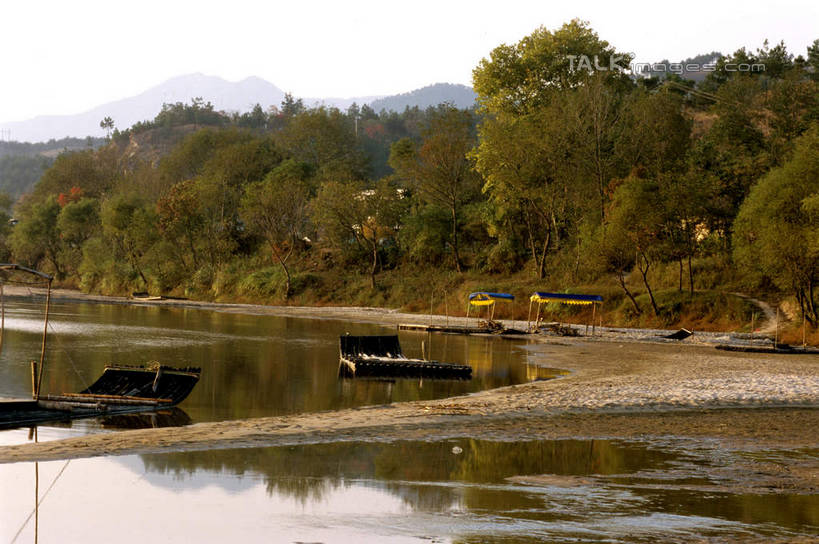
column 460, row 96
column 224, row 95
column 664, row 67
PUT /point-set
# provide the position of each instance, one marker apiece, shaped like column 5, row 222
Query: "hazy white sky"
column 63, row 57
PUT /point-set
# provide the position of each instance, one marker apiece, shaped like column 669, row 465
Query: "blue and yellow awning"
column 565, row 298
column 487, row 299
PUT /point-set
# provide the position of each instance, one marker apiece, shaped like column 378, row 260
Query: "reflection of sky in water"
column 252, row 366
column 167, row 498
column 101, row 334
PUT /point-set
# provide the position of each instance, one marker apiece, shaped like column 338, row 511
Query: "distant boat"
column 119, row 390
column 381, row 357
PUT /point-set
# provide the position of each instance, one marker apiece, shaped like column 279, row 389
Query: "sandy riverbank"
column 616, row 389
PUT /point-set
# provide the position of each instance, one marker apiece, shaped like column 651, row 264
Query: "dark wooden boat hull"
column 120, row 390
column 381, row 357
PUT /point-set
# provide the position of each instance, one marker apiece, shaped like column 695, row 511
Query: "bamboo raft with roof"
column 381, row 357
column 119, row 390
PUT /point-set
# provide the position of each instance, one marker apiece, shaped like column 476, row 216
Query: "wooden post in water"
column 41, row 367
column 2, row 316
column 34, row 379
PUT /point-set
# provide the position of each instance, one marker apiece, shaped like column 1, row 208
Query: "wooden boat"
column 119, row 390
column 381, row 357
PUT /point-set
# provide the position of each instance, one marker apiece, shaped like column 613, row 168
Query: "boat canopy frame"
column 485, row 298
column 541, row 298
column 37, row 369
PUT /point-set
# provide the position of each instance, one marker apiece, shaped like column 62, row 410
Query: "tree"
column 520, row 78
column 439, row 169
column 520, row 157
column 777, row 228
column 276, row 209
column 350, row 216
column 35, row 239
column 637, row 220
column 131, row 227
column 179, row 221
column 107, row 124
column 77, row 222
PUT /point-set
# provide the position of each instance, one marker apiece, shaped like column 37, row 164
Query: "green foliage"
column 524, row 77
column 19, row 173
column 566, row 175
column 35, row 241
column 777, row 232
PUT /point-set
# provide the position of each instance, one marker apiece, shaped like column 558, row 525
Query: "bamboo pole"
column 36, row 495
column 594, row 314
column 529, row 317
column 2, row 316
column 41, row 368
column 34, row 379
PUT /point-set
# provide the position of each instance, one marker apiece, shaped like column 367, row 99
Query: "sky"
column 68, row 57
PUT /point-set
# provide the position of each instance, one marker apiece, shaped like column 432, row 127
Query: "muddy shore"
column 618, row 388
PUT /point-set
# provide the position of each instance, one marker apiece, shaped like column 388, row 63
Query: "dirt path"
column 768, row 326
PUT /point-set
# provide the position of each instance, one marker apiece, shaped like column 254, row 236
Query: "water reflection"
column 253, row 366
column 457, row 491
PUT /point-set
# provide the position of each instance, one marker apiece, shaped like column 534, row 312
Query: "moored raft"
column 381, row 357
column 119, row 390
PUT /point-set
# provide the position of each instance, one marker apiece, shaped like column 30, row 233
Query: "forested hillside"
column 663, row 198
column 23, row 163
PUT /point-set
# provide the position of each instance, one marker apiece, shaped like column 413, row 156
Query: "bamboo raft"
column 381, row 357
column 119, row 390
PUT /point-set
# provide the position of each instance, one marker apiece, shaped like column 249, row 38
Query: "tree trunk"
column 455, row 239
column 283, row 264
column 679, row 288
column 374, row 267
column 644, row 266
column 811, row 305
column 541, row 258
column 622, row 281
column 690, row 275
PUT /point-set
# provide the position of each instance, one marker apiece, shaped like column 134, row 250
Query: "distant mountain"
column 460, row 96
column 696, row 65
column 225, row 95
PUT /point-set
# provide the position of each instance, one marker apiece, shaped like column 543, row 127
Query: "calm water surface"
column 252, row 366
column 463, row 491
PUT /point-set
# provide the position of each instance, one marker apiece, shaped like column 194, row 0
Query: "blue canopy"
column 484, row 298
column 565, row 298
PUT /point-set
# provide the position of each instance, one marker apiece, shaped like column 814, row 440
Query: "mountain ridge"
column 239, row 96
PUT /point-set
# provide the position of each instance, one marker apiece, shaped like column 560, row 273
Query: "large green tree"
column 438, row 168
column 777, row 229
column 276, row 209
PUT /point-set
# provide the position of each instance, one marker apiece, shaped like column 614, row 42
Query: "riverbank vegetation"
column 662, row 194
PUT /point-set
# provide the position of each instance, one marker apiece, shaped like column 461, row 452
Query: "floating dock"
column 443, row 328
column 381, row 357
